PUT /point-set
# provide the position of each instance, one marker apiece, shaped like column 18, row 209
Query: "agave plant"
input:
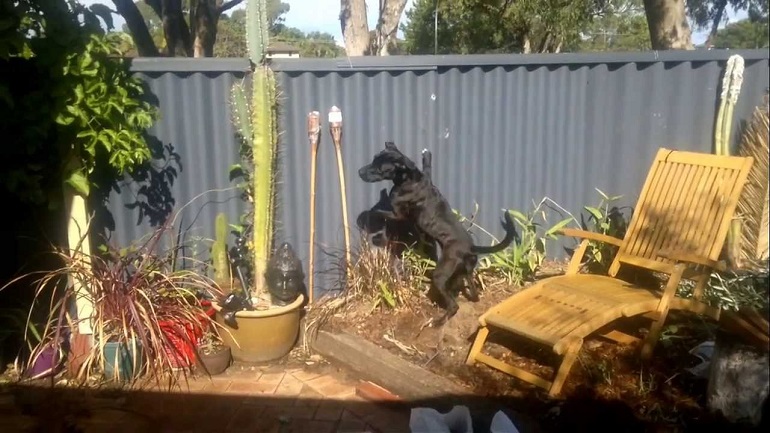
column 136, row 293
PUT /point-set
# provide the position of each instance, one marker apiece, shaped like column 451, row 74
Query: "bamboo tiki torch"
column 335, row 127
column 313, row 135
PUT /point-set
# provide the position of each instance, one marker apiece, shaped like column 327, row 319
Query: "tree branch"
column 145, row 46
column 226, row 6
column 719, row 11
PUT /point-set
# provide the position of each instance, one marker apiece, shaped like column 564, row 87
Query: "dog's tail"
column 510, row 235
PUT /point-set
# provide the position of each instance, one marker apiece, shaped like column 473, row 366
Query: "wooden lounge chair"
column 678, row 228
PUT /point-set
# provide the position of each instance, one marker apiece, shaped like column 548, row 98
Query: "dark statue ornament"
column 239, row 258
column 234, row 302
column 284, row 276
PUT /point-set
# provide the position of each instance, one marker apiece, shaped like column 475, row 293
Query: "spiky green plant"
column 731, row 88
column 219, row 250
column 256, row 122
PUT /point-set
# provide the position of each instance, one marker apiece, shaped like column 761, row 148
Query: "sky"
column 323, row 16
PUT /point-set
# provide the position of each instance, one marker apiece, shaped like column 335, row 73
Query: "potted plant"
column 133, row 291
column 259, row 330
column 214, row 356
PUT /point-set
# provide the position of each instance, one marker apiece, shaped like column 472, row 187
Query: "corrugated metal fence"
column 504, row 130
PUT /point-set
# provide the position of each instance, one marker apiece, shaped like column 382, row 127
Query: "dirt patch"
column 608, row 386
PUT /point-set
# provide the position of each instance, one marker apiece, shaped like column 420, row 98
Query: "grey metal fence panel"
column 199, row 145
column 505, row 130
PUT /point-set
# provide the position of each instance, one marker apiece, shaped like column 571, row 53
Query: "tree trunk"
column 527, row 48
column 668, row 25
column 355, row 28
column 387, row 25
column 204, row 15
column 145, row 46
column 175, row 28
column 720, row 5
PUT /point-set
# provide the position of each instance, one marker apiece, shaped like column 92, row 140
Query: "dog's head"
column 369, row 221
column 388, row 164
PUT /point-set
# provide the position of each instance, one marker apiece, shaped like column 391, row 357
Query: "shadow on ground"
column 25, row 408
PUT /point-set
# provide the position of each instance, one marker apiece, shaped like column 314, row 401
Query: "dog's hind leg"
column 466, row 279
column 442, row 281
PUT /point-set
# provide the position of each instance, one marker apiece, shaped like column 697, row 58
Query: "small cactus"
column 219, row 258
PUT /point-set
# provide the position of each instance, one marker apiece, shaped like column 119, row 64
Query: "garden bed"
column 607, row 386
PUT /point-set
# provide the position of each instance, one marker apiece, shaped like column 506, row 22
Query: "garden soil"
column 607, row 388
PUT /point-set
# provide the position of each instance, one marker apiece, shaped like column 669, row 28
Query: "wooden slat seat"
column 678, row 228
column 561, row 309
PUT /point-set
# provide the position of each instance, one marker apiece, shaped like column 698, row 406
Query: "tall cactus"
column 731, row 88
column 219, row 250
column 256, row 121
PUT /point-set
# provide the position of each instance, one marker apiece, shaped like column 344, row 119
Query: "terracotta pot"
column 216, row 362
column 262, row 335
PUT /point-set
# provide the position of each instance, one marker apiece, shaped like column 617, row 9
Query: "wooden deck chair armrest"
column 693, row 259
column 593, row 236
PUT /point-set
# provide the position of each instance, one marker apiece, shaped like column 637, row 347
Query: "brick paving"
column 255, row 400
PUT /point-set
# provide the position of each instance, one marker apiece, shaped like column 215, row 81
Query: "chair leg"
column 653, row 336
column 570, row 356
column 478, row 343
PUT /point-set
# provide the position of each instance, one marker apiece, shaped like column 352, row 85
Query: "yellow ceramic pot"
column 262, row 335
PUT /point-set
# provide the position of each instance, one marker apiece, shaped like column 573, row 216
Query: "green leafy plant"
column 210, row 343
column 733, row 290
column 85, row 108
column 607, row 219
column 418, row 267
column 105, row 112
column 520, row 262
column 376, row 278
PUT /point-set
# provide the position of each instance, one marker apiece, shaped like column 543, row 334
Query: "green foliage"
column 104, row 111
column 496, row 26
column 734, row 290
column 521, row 261
column 154, row 25
column 622, row 26
column 219, row 250
column 606, row 219
column 744, row 34
column 65, row 104
column 231, row 37
column 705, row 13
column 313, row 44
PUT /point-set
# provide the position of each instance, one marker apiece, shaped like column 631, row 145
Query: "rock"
column 739, row 381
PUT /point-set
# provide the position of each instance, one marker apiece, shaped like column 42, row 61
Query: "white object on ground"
column 502, row 424
column 457, row 420
column 428, row 420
